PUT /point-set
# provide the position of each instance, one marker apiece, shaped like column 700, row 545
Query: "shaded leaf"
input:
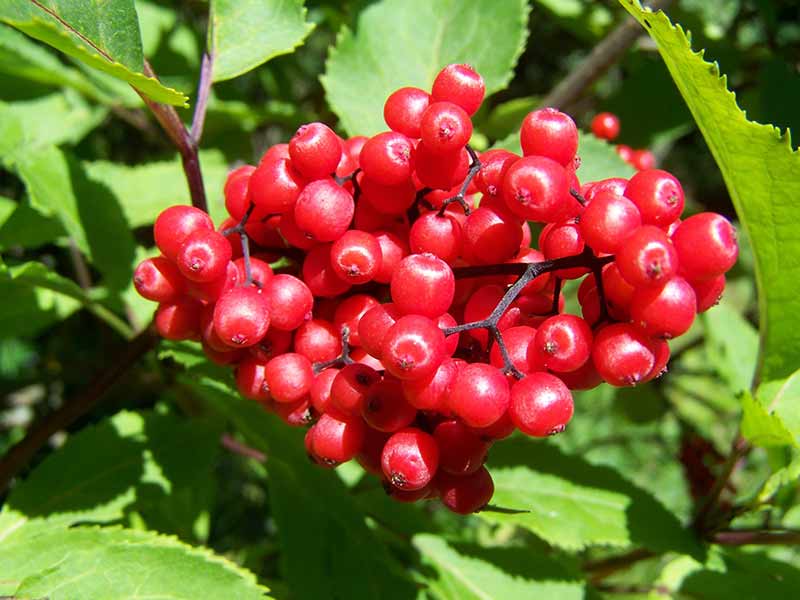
column 761, row 427
column 763, row 177
column 782, row 398
column 90, row 562
column 573, row 504
column 787, row 475
column 406, row 42
column 472, row 572
column 731, row 345
column 247, row 33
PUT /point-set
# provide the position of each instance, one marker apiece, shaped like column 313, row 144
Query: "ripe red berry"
column 289, row 377
column 479, row 395
column 494, row 165
column 605, row 125
column 315, row 151
column 392, row 200
column 541, row 405
column 176, row 223
column 641, row 160
column 374, row 324
column 388, row 158
column 667, row 311
column 441, row 171
column 349, row 313
column 658, row 195
column 461, row 450
column 318, row 340
column 385, row 407
column 320, row 391
column 336, row 439
column 551, row 133
column 413, row 348
column 260, row 272
column 404, row 108
column 356, row 257
column 460, row 84
column 537, row 188
column 430, row 393
column 437, row 235
column 159, row 280
column 204, row 256
column 623, row 355
column 647, row 258
column 319, row 275
column 349, row 388
column 290, row 301
column 706, row 245
column 241, row 317
column 236, row 194
column 491, row 235
column 465, row 494
column 251, row 381
column 410, row 459
column 708, row 292
column 445, row 128
column 519, row 343
column 179, row 320
column 563, row 343
column 275, row 186
column 608, row 221
column 423, row 284
column 324, row 210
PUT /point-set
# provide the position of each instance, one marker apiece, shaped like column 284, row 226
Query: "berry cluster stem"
column 239, row 228
column 527, row 273
column 341, row 360
column 460, row 197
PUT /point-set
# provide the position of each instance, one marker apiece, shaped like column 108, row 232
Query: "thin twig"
column 598, row 61
column 705, row 511
column 231, row 443
column 21, row 454
column 79, row 266
column 203, row 92
column 762, row 537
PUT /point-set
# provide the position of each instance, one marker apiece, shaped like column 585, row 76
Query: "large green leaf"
column 572, row 504
column 247, row 33
column 22, row 57
column 406, row 42
column 328, row 550
column 145, row 190
column 762, row 428
column 52, row 295
column 154, row 465
column 731, row 345
column 106, row 563
column 472, row 572
column 61, row 118
column 28, row 228
column 91, row 215
column 104, row 35
column 762, row 173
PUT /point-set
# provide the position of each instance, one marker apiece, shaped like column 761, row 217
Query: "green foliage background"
column 140, row 497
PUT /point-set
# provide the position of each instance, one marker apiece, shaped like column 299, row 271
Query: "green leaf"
column 156, row 465
column 50, row 290
column 787, row 475
column 247, row 33
column 154, row 22
column 472, row 572
column 22, row 57
column 406, row 42
column 761, row 427
column 731, row 345
column 90, row 562
column 762, row 173
column 783, row 399
column 104, row 35
column 145, row 190
column 572, row 504
column 599, row 160
column 56, row 119
column 89, row 212
column 327, row 548
column 28, row 228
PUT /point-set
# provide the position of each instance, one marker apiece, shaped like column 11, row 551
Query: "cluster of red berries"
column 414, row 324
column 606, row 126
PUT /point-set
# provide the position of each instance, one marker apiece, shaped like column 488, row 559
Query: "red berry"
column 356, row 257
column 413, row 348
column 642, row 160
column 706, row 245
column 491, row 235
column 324, row 210
column 320, row 391
column 437, row 235
column 494, row 165
column 537, row 188
column 319, row 275
column 519, row 343
column 551, row 133
column 541, row 405
column 350, row 386
column 465, row 494
column 251, row 381
column 349, row 312
column 563, row 343
column 667, row 311
column 290, row 300
column 623, row 355
column 315, row 150
column 176, row 223
column 159, row 280
column 608, row 221
column 479, row 395
column 605, row 125
column 658, row 195
column 374, row 324
column 385, row 407
column 441, row 171
column 260, row 271
column 388, row 158
column 318, row 340
column 445, row 128
column 393, row 200
column 461, row 450
column 410, row 459
column 430, row 393
column 241, row 317
column 179, row 320
column 403, row 110
column 647, row 258
column 708, row 292
column 423, row 284
column 204, row 256
column 236, row 195
column 275, row 186
column 459, row 84
column 336, row 439
column 289, row 377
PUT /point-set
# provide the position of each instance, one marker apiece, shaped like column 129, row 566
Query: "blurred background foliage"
column 49, row 349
